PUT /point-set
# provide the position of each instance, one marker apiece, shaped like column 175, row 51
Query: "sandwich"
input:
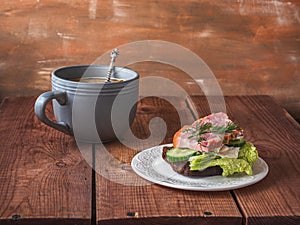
column 212, row 145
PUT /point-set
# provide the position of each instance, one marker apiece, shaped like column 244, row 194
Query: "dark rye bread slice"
column 183, row 167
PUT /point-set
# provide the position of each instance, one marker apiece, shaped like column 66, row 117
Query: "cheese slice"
column 228, row 152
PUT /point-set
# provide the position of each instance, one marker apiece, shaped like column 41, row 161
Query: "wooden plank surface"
column 44, row 179
column 138, row 203
column 252, row 46
column 274, row 200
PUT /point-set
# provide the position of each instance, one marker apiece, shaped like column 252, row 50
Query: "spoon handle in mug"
column 40, row 106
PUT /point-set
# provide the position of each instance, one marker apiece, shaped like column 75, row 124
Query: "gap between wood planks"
column 93, row 200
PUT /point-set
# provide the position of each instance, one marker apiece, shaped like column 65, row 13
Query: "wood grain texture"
column 274, row 200
column 252, row 46
column 43, row 177
column 139, row 202
column 45, row 180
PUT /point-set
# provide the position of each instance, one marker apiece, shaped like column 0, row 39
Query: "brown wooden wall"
column 252, row 47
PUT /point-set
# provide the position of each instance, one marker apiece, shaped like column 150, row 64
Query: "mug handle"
column 40, row 106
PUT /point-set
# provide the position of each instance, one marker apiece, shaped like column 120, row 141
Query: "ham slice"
column 187, row 136
column 219, row 119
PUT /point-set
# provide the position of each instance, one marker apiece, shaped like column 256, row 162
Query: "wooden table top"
column 45, row 178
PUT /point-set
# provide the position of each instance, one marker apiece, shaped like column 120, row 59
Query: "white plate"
column 150, row 165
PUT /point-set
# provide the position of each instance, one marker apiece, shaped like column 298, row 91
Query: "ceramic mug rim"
column 61, row 81
column 118, row 70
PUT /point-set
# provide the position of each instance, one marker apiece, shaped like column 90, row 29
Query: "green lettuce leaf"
column 247, row 156
column 228, row 165
column 231, row 166
column 201, row 162
column 248, row 152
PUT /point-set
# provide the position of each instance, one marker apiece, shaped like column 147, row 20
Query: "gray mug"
column 91, row 111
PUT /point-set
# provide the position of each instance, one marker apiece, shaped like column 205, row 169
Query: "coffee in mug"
column 95, row 79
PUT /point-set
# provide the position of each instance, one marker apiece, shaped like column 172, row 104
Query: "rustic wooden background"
column 252, row 47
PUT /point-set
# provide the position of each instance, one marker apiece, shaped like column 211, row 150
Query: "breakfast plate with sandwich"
column 211, row 154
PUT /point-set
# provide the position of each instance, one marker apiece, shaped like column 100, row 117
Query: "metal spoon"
column 113, row 56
